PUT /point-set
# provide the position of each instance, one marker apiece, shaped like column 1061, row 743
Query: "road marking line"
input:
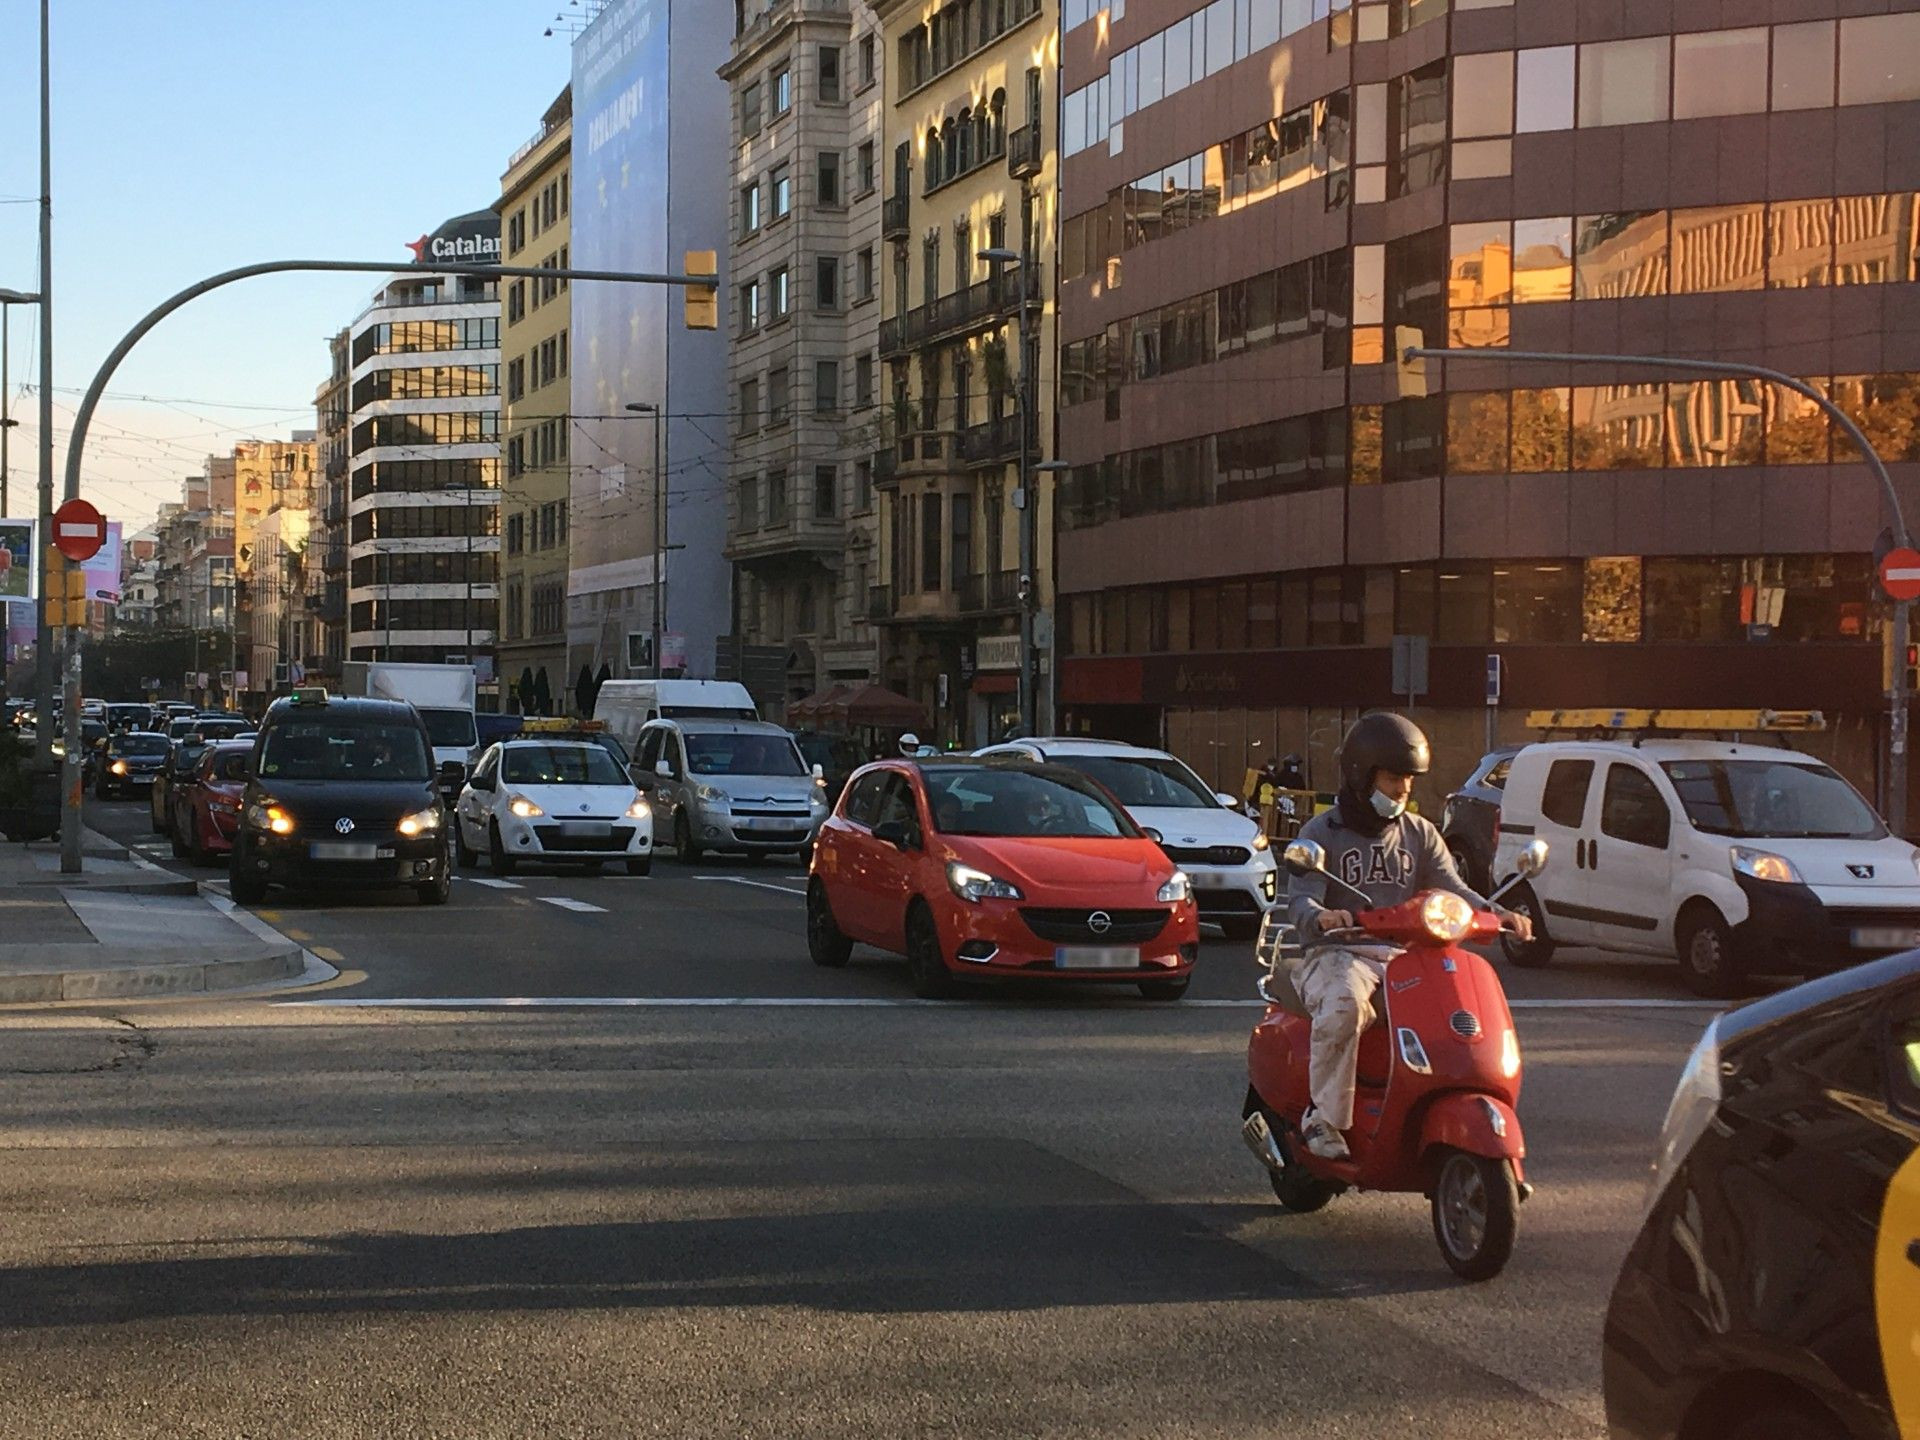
column 756, row 884
column 565, row 903
column 490, row 884
column 328, row 954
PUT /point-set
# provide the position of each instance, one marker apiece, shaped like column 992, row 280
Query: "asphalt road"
column 674, row 1213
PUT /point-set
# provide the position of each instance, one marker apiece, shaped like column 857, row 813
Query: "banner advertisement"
column 16, row 560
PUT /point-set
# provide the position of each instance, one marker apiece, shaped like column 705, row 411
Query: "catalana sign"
column 471, row 239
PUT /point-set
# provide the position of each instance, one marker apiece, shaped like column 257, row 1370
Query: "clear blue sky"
column 194, row 135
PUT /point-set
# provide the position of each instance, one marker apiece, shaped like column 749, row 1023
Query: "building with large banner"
column 647, row 537
column 1257, row 197
column 424, row 458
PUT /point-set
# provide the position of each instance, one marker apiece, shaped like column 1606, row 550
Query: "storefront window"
column 1465, row 595
column 1610, row 602
column 1536, row 604
column 1206, row 618
column 1332, row 617
column 1113, row 623
column 1477, row 432
column 1695, row 600
column 1618, row 427
column 1142, row 631
column 1293, row 611
column 1233, row 615
column 1179, row 619
column 1542, row 422
column 1263, row 614
column 1821, row 597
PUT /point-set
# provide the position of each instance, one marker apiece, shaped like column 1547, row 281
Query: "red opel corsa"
column 998, row 870
column 208, row 806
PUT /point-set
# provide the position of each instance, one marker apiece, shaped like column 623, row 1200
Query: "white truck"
column 444, row 696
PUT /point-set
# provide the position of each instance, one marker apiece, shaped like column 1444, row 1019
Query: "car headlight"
column 421, row 822
column 1763, row 865
column 977, row 885
column 523, row 807
column 712, row 794
column 1176, row 891
column 1261, row 842
column 639, row 809
column 265, row 815
column 119, row 767
column 1695, row 1099
column 1445, row 916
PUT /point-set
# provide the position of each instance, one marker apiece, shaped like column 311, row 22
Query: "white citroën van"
column 1730, row 856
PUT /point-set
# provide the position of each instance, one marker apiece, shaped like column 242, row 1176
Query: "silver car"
column 730, row 785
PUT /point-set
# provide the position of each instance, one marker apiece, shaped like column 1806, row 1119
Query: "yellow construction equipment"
column 1631, row 721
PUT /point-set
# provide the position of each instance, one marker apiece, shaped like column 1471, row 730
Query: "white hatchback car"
column 1227, row 856
column 552, row 800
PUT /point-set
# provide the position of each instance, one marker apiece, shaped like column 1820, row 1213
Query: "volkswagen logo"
column 1861, row 872
column 343, row 825
column 1099, row 922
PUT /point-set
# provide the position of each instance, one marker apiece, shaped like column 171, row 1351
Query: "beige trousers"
column 1338, row 985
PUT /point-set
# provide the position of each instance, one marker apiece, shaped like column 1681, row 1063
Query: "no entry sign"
column 1900, row 574
column 79, row 531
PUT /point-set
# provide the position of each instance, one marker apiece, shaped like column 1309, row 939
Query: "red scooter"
column 1439, row 1074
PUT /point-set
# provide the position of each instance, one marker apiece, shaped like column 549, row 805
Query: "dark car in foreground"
column 341, row 794
column 1774, row 1288
column 129, row 761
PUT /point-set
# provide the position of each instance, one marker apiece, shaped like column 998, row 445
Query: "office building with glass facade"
column 1259, row 193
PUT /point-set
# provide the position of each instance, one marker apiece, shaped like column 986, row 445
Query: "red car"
column 206, row 808
column 998, row 870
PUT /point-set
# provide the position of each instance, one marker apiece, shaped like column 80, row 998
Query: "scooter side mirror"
column 1532, row 858
column 1303, row 857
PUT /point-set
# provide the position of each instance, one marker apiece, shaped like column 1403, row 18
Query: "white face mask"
column 1386, row 807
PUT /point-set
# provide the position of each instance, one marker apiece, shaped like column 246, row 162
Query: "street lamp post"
column 647, row 407
column 1029, row 512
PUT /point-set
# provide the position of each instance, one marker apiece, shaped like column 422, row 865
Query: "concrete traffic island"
column 121, row 928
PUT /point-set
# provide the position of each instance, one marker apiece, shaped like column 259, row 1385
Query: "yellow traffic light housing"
column 703, row 301
column 1409, row 371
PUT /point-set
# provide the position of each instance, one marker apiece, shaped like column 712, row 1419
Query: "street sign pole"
column 1493, row 702
column 1894, row 800
column 79, row 531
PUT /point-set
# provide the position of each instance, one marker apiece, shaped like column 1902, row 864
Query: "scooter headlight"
column 1445, row 916
column 1509, row 1053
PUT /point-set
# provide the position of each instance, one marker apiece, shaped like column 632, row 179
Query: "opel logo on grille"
column 343, row 825
column 1099, row 922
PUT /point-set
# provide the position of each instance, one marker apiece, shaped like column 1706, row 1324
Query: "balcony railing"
column 980, row 302
column 996, row 440
column 1003, row 589
column 893, row 218
column 1023, row 151
column 935, row 60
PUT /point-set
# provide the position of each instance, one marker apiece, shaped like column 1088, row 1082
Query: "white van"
column 625, row 706
column 1729, row 857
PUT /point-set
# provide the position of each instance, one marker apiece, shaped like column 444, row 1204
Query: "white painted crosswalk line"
column 565, row 903
column 491, row 884
column 758, row 884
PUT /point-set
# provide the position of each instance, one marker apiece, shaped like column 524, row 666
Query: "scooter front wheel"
column 1476, row 1213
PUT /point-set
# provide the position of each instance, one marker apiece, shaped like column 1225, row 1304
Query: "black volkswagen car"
column 341, row 793
column 1774, row 1290
column 129, row 762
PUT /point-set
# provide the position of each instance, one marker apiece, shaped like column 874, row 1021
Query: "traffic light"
column 1409, row 373
column 703, row 301
column 1910, row 671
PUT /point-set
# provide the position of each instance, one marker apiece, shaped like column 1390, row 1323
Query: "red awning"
column 996, row 684
column 877, row 707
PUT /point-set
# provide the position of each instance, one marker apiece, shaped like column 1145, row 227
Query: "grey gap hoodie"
column 1408, row 856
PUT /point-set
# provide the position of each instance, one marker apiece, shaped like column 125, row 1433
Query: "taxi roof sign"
column 559, row 725
column 310, row 695
column 1777, row 721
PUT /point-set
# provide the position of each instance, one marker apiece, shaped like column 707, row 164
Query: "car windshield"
column 1771, row 799
column 450, row 729
column 561, row 765
column 324, row 750
column 141, row 745
column 186, row 756
column 1141, row 782
column 220, row 729
column 232, row 765
column 716, row 753
column 984, row 801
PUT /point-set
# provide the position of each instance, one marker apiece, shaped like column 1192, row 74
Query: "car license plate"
column 586, row 829
column 1096, row 957
column 344, row 850
column 1886, row 939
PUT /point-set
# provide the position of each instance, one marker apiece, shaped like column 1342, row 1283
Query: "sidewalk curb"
column 186, row 977
column 172, row 885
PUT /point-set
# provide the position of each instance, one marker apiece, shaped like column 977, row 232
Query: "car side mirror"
column 1227, row 802
column 663, row 768
column 481, row 782
column 452, row 770
column 897, row 833
column 1303, row 857
column 1152, row 834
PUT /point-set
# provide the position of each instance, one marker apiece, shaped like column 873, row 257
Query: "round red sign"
column 79, row 531
column 1900, row 574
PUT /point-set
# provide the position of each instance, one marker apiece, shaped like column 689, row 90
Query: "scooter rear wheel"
column 1299, row 1191
column 1476, row 1213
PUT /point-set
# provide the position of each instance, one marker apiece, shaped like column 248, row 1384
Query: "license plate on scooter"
column 1096, row 957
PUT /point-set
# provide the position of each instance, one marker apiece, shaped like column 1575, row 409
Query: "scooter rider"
column 1374, row 845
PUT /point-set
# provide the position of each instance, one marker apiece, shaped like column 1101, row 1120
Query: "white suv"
column 1225, row 854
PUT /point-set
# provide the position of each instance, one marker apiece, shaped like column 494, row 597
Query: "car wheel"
column 437, row 891
column 684, row 845
column 1708, row 965
column 1786, row 1420
column 463, row 853
column 825, row 942
column 926, row 966
column 1476, row 1213
column 1534, row 953
column 640, row 865
column 244, row 888
column 498, row 861
column 1165, row 989
column 1241, row 928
